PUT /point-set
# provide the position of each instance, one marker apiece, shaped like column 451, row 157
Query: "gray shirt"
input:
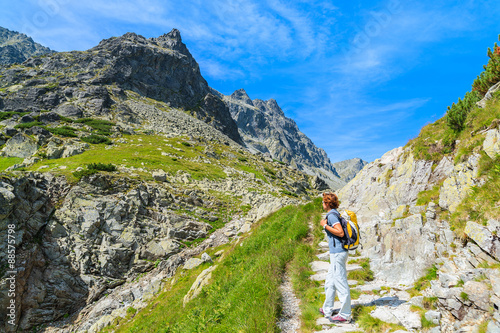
column 334, row 242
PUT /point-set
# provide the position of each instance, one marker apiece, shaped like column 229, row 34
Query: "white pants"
column 336, row 281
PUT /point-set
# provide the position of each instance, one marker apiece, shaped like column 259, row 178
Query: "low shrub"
column 103, row 127
column 28, row 125
column 65, row 131
column 94, row 168
column 101, row 167
column 96, row 139
column 9, row 114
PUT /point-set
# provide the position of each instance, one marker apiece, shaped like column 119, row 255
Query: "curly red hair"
column 331, row 200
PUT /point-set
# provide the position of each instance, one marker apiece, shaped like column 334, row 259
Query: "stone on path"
column 329, row 327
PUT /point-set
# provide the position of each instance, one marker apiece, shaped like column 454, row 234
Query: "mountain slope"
column 159, row 68
column 16, row 47
column 116, row 176
column 265, row 129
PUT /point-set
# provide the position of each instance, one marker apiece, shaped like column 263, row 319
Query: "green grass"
column 424, row 281
column 424, row 197
column 430, row 303
column 29, row 125
column 6, row 162
column 140, row 151
column 309, row 292
column 483, row 327
column 369, row 324
column 243, row 295
column 481, row 204
column 250, row 168
column 364, row 274
column 434, row 141
column 9, row 114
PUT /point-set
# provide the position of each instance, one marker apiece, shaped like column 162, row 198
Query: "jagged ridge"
column 16, row 47
column 265, row 129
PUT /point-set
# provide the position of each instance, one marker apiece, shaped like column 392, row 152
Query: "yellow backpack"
column 351, row 230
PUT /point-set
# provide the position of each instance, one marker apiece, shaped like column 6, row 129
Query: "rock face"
column 158, row 68
column 16, row 47
column 265, row 129
column 348, row 169
column 404, row 240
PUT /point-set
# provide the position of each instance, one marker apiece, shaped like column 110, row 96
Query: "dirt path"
column 289, row 322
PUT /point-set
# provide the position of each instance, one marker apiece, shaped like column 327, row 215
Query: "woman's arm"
column 336, row 229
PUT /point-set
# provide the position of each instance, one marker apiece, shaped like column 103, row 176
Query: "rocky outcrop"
column 16, row 47
column 265, row 129
column 459, row 181
column 489, row 95
column 404, row 240
column 388, row 185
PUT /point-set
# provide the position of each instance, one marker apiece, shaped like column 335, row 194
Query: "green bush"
column 491, row 74
column 187, row 144
column 29, row 125
column 289, row 193
column 94, row 168
column 270, row 171
column 96, row 139
column 9, row 114
column 457, row 113
column 66, row 119
column 101, row 167
column 66, row 131
column 103, row 127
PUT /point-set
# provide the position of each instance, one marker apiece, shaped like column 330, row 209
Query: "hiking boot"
column 323, row 312
column 338, row 319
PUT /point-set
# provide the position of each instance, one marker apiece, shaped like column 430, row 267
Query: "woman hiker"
column 336, row 279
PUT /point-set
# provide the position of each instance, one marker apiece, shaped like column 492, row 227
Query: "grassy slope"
column 243, row 295
column 437, row 140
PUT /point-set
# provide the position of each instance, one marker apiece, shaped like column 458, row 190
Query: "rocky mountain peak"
column 172, row 40
column 241, row 95
column 270, row 106
column 16, row 47
column 264, row 128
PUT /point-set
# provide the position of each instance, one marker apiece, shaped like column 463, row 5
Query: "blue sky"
column 359, row 77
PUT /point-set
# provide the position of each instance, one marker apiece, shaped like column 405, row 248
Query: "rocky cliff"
column 158, row 68
column 429, row 214
column 265, row 129
column 16, row 47
column 348, row 169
